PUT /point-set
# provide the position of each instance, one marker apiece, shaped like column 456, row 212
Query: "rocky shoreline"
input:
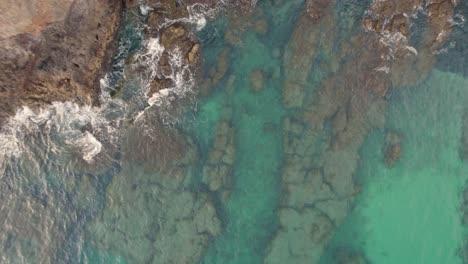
column 61, row 51
column 57, row 52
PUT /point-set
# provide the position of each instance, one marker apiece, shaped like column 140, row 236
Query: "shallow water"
column 236, row 174
column 410, row 213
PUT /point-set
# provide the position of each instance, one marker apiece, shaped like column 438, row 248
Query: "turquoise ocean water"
column 151, row 199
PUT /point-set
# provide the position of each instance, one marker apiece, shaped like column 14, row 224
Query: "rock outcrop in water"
column 322, row 140
column 151, row 216
column 218, row 168
column 54, row 51
column 175, row 223
column 349, row 256
column 392, row 148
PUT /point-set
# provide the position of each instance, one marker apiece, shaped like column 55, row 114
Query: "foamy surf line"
column 57, row 129
column 62, row 123
column 181, row 74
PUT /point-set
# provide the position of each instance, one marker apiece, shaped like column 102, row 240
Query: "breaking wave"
column 70, row 130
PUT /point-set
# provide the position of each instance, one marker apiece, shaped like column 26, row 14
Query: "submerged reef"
column 392, row 148
column 174, row 224
column 110, row 167
column 322, row 139
column 101, row 83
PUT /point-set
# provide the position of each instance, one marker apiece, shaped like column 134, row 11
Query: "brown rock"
column 131, row 3
column 300, row 50
column 221, row 67
column 261, row 26
column 256, row 81
column 49, row 56
column 316, row 8
column 217, row 171
column 392, row 148
column 172, row 35
column 194, row 54
column 159, row 84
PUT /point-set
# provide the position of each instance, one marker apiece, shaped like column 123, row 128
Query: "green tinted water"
column 405, row 214
column 250, row 213
column 410, row 213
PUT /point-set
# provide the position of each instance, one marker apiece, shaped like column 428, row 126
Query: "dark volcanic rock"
column 55, row 51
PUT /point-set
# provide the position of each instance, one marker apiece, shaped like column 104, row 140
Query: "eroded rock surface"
column 54, row 51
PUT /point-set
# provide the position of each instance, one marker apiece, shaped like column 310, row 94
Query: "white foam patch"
column 385, row 69
column 89, row 146
column 57, row 129
column 145, row 9
column 182, row 78
column 396, row 41
column 458, row 20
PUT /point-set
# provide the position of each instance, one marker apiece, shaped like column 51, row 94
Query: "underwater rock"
column 55, row 51
column 218, row 168
column 348, row 256
column 464, row 139
column 300, row 239
column 307, row 190
column 300, row 50
column 242, row 20
column 261, row 26
column 392, row 148
column 321, row 141
column 463, row 252
column 256, row 80
column 221, row 67
column 464, row 206
column 245, row 6
column 216, row 73
column 175, row 225
column 315, row 9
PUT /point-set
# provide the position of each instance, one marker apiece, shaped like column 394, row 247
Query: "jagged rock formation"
column 54, row 51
